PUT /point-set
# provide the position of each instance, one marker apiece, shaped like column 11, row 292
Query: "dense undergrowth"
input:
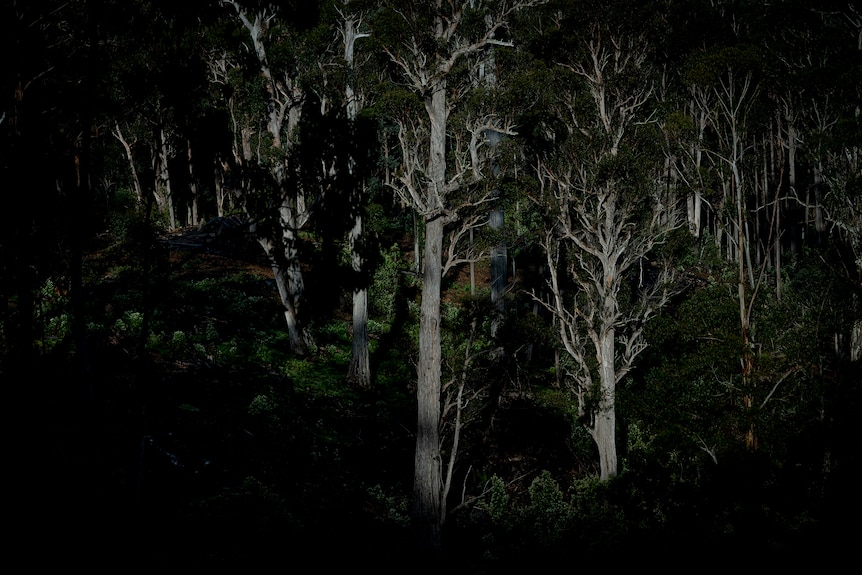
column 193, row 439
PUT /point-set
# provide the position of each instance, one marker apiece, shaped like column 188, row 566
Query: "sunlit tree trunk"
column 359, row 370
column 283, row 109
column 130, row 158
column 604, row 429
column 423, row 184
column 602, row 229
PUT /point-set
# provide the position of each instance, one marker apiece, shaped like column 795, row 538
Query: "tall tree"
column 730, row 88
column 607, row 213
column 432, row 44
column 351, row 30
column 266, row 129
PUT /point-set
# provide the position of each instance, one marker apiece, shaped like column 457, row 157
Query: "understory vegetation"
column 205, row 444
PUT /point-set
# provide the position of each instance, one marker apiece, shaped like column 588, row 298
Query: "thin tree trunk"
column 359, row 370
column 193, row 217
column 604, row 426
column 219, row 189
column 164, row 197
column 136, row 182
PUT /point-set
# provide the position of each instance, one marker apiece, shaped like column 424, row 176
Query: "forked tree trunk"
column 285, row 96
column 219, row 189
column 281, row 275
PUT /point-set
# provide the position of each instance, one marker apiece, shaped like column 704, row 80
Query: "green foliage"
column 498, row 501
column 710, row 68
column 385, row 289
column 551, row 522
column 389, row 508
column 549, row 513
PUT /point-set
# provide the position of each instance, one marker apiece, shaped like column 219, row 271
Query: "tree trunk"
column 427, row 486
column 219, row 189
column 136, row 182
column 604, row 426
column 193, row 216
column 284, row 110
column 499, row 267
column 164, row 196
column 286, row 292
column 296, row 288
column 359, row 371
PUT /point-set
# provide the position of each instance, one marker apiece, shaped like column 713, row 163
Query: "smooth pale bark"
column 290, row 278
column 604, row 429
column 220, row 192
column 136, row 181
column 359, row 371
column 427, row 478
column 283, row 105
column 286, row 295
column 601, row 235
column 423, row 184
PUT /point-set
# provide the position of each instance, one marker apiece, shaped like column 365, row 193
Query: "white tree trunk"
column 359, row 370
column 604, row 425
column 428, row 484
column 281, row 275
column 136, row 181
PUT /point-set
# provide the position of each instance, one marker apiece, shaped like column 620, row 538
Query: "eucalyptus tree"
column 352, row 28
column 607, row 212
column 432, row 46
column 158, row 99
column 726, row 83
column 265, row 80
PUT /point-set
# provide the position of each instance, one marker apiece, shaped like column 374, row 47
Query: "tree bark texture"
column 604, row 426
column 359, row 370
column 427, row 484
column 283, row 112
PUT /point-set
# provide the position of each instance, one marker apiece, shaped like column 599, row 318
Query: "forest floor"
column 210, row 446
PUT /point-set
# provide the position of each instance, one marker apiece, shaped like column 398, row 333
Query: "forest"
column 427, row 286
